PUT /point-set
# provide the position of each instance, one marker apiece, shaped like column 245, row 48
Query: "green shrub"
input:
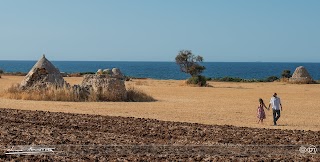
column 84, row 73
column 286, row 74
column 1, row 71
column 229, row 79
column 198, row 80
column 271, row 79
column 237, row 79
column 193, row 80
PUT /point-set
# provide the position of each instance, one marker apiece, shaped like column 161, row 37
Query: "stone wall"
column 301, row 80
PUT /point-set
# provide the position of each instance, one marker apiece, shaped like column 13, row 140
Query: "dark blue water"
column 170, row 70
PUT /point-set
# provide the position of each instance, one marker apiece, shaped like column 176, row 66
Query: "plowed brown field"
column 105, row 138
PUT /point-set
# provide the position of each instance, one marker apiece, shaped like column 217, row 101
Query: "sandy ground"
column 224, row 103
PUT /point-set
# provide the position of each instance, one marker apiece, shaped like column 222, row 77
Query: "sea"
column 170, row 70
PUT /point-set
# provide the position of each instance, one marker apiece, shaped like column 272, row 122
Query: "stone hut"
column 110, row 84
column 42, row 74
column 301, row 76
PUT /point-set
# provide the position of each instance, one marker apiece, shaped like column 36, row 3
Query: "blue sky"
column 155, row 30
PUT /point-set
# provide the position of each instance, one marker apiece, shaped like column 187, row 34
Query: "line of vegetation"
column 237, row 79
column 2, row 72
column 285, row 75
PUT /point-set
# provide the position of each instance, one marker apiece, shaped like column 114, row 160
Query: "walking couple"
column 276, row 107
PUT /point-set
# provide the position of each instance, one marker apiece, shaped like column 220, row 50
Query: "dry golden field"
column 223, row 104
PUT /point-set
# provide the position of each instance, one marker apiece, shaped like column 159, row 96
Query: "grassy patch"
column 135, row 95
column 52, row 93
column 49, row 94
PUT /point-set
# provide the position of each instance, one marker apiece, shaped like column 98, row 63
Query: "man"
column 276, row 107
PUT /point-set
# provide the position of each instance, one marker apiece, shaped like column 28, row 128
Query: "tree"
column 286, row 74
column 189, row 63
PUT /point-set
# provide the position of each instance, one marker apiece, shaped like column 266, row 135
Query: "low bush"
column 84, row 73
column 230, row 79
column 17, row 73
column 197, row 80
column 272, row 79
column 237, row 79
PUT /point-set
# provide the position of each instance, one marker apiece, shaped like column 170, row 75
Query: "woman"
column 261, row 114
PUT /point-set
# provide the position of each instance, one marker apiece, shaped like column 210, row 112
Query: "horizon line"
column 174, row 61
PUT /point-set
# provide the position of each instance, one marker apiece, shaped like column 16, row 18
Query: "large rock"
column 107, row 71
column 117, row 73
column 43, row 74
column 301, row 76
column 99, row 71
column 108, row 86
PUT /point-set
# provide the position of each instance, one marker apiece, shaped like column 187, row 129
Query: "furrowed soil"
column 84, row 137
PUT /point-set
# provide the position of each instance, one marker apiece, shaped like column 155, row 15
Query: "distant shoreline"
column 170, row 70
column 223, row 79
column 171, row 61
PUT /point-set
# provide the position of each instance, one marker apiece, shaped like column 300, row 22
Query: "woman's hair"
column 261, row 101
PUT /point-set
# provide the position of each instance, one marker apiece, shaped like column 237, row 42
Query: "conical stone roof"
column 42, row 74
column 301, row 72
column 301, row 75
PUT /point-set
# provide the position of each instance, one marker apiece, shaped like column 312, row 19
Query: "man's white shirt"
column 275, row 102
